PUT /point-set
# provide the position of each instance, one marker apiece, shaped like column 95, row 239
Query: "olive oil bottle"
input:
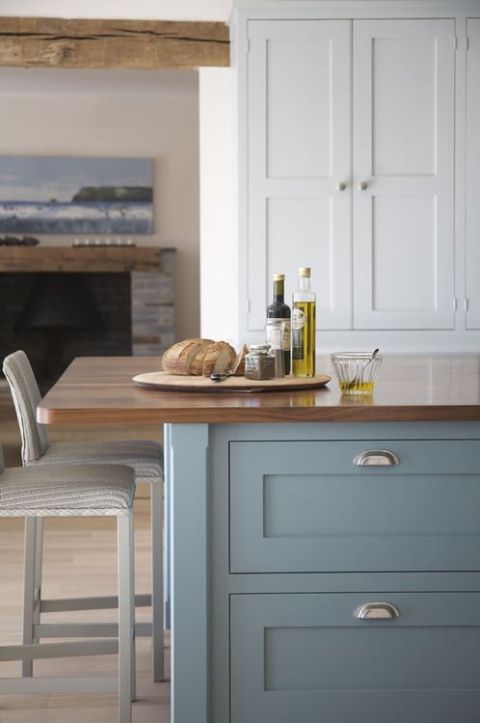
column 303, row 327
column 278, row 314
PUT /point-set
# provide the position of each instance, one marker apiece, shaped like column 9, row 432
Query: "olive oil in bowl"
column 356, row 371
column 356, row 387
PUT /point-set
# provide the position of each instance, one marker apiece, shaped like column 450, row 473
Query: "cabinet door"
column 403, row 109
column 473, row 174
column 308, row 658
column 306, row 506
column 298, row 136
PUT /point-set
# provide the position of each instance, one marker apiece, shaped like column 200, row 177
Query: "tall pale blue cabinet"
column 358, row 155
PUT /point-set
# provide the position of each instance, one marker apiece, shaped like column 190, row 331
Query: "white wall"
column 218, row 264
column 97, row 113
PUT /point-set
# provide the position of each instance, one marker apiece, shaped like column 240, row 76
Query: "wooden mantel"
column 81, row 258
column 106, row 44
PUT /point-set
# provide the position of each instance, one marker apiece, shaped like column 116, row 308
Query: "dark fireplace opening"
column 58, row 303
column 55, row 317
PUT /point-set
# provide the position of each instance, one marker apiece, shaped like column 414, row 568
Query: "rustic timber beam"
column 104, row 44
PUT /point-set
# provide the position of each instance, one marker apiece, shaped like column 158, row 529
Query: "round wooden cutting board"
column 173, row 382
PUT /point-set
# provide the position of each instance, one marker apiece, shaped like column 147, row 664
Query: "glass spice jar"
column 258, row 362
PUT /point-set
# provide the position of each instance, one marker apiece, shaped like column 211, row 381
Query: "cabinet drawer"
column 306, row 507
column 306, row 658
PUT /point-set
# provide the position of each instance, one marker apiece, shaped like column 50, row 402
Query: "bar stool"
column 65, row 490
column 146, row 459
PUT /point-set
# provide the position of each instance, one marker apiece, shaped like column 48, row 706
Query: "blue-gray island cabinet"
column 325, row 552
column 282, row 543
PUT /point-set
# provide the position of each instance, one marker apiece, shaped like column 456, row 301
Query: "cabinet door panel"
column 403, row 105
column 403, row 141
column 304, row 225
column 403, row 248
column 306, row 658
column 307, row 507
column 473, row 174
column 298, row 152
column 297, row 127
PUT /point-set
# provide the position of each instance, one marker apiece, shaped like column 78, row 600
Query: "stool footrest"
column 89, row 603
column 35, row 651
column 92, row 630
column 75, row 630
column 58, row 685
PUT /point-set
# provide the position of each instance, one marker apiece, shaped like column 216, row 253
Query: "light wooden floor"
column 79, row 559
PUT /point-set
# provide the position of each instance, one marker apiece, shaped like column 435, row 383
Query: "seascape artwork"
column 67, row 195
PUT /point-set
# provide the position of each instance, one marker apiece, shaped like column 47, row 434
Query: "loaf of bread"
column 219, row 358
column 199, row 356
column 238, row 368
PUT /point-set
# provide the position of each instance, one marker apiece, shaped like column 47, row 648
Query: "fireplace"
column 59, row 303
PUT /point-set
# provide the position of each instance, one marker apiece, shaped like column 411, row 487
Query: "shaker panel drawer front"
column 314, row 507
column 307, row 658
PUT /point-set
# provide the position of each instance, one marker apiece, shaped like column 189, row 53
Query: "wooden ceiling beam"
column 108, row 44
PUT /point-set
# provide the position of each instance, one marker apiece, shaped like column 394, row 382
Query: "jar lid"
column 279, row 277
column 260, row 348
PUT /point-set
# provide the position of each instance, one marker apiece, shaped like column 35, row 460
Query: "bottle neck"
column 304, row 283
column 279, row 291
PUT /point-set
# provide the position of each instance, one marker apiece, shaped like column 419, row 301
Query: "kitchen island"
column 325, row 549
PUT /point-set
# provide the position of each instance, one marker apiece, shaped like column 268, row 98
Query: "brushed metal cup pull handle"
column 376, row 611
column 376, row 458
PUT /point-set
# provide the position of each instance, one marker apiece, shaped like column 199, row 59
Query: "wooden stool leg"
column 125, row 616
column 156, row 510
column 32, row 583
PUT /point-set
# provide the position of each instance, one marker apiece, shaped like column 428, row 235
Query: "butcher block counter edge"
column 94, row 390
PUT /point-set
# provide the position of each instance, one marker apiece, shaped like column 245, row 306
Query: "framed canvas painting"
column 68, row 195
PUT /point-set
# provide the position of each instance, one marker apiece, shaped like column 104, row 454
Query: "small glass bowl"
column 356, row 371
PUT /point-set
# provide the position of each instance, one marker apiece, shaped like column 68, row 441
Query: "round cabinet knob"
column 362, row 186
column 341, row 186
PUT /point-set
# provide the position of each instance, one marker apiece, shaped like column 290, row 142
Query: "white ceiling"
column 105, row 82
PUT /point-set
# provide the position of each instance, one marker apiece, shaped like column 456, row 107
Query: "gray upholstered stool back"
column 26, row 396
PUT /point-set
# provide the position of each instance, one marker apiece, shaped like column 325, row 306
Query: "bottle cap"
column 304, row 271
column 279, row 277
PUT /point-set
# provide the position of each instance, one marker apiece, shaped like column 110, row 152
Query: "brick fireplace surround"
column 132, row 289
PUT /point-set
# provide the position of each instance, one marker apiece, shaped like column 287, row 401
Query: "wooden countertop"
column 96, row 390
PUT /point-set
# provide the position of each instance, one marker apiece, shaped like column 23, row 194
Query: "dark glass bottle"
column 279, row 311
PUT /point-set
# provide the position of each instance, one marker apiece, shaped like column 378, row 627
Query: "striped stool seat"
column 66, row 490
column 146, row 457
